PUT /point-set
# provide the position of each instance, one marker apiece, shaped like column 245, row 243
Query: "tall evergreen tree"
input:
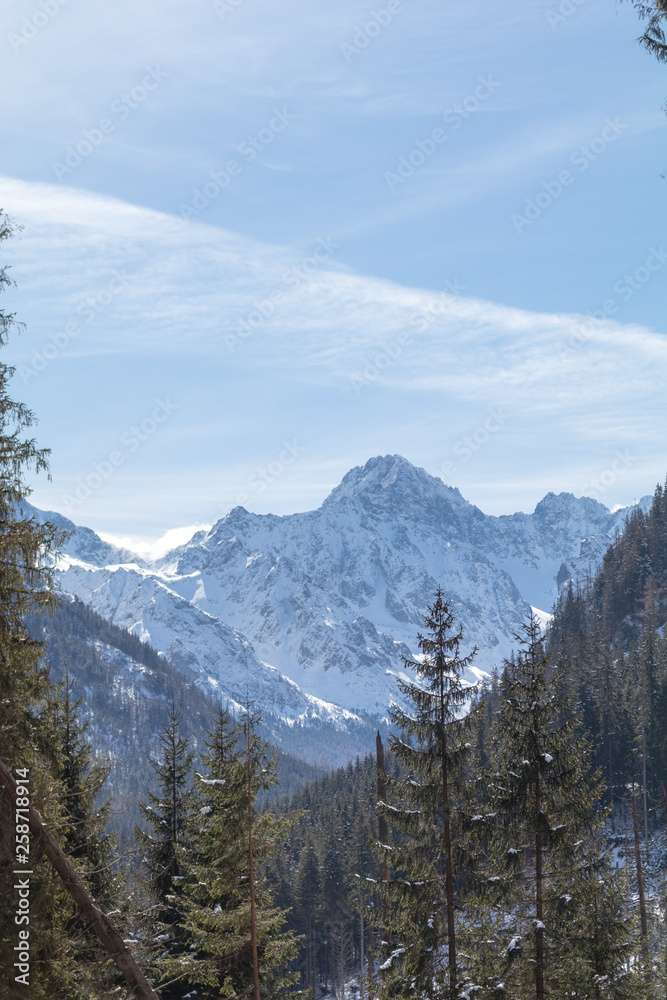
column 82, row 778
column 27, row 729
column 84, row 837
column 163, row 848
column 428, row 813
column 549, row 868
column 338, row 945
column 233, row 943
column 637, row 861
column 309, row 916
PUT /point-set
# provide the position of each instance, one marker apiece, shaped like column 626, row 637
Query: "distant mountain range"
column 309, row 615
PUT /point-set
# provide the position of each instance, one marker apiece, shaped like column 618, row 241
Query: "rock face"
column 310, row 615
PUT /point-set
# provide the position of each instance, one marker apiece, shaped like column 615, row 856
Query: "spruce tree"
column 337, row 918
column 654, row 35
column 82, row 779
column 27, row 732
column 637, row 860
column 83, row 837
column 163, row 849
column 233, row 941
column 427, row 813
column 602, row 932
column 309, row 916
column 363, row 867
column 549, row 866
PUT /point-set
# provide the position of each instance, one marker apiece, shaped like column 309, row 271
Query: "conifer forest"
column 340, row 754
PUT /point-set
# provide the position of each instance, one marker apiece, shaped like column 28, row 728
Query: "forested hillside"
column 320, row 875
column 609, row 643
column 126, row 691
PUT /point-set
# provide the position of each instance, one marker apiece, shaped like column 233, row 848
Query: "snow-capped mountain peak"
column 390, row 479
column 558, row 506
column 313, row 613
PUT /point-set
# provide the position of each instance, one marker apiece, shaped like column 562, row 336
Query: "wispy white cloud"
column 99, row 275
column 290, row 346
column 154, row 548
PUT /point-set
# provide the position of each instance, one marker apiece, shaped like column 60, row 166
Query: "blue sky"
column 262, row 242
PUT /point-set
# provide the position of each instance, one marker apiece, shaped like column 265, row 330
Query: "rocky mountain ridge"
column 310, row 615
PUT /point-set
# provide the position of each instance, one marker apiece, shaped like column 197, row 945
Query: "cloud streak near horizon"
column 99, row 278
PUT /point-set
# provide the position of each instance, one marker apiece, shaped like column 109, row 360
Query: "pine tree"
column 83, row 837
column 654, row 37
column 602, row 933
column 648, row 735
column 86, row 839
column 163, row 850
column 638, row 863
column 362, row 859
column 548, row 866
column 27, row 550
column 337, row 918
column 309, row 916
column 428, row 813
column 233, row 942
column 166, row 812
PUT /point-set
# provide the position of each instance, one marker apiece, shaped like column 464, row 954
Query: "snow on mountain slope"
column 144, row 604
column 330, row 601
column 564, row 535
column 334, row 597
column 80, row 543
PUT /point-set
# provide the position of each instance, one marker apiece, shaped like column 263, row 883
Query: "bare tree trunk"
column 253, row 919
column 383, row 836
column 252, row 874
column 362, row 953
column 610, row 772
column 641, row 891
column 539, row 898
column 383, row 830
column 106, row 933
column 447, row 848
column 645, row 790
column 600, row 972
column 449, row 889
